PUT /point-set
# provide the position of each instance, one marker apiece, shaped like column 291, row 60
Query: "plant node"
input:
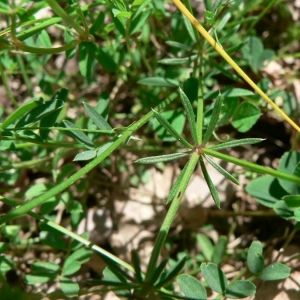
column 198, row 149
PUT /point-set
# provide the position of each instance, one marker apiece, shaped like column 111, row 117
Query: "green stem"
column 61, row 129
column 21, row 46
column 28, row 206
column 252, row 166
column 82, row 17
column 61, row 13
column 160, row 240
column 295, row 142
column 144, row 59
column 263, row 12
column 24, row 74
column 73, row 235
column 7, row 88
column 199, row 121
column 26, row 164
column 51, row 144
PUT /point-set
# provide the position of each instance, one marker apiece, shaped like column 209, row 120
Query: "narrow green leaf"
column 221, row 170
column 240, row 289
column 158, row 272
column 216, row 5
column 255, row 258
column 236, row 143
column 189, row 113
column 176, row 185
column 161, row 158
column 191, row 287
column 96, row 117
column 21, row 111
column 121, row 14
column 214, row 277
column 171, row 130
column 189, row 28
column 228, row 92
column 86, row 155
column 214, row 120
column 178, row 60
column 173, row 272
column 49, row 121
column 79, row 136
column 206, row 246
column 86, row 57
column 208, row 5
column 103, row 147
column 138, row 20
column 114, row 276
column 114, row 272
column 178, row 45
column 177, row 121
column 41, row 111
column 219, row 249
column 159, row 81
column 137, row 265
column 210, row 184
column 276, row 271
column 30, row 136
column 236, row 92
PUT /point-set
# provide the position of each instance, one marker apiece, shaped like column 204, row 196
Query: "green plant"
column 104, row 33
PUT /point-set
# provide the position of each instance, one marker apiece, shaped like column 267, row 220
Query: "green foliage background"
column 89, row 82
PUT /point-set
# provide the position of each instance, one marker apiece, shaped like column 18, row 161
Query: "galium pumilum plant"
column 198, row 151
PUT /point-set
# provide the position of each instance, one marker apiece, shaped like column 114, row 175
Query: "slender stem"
column 144, row 59
column 24, row 74
column 199, row 121
column 263, row 12
column 295, row 142
column 253, row 167
column 286, row 243
column 160, row 240
column 73, row 235
column 223, row 53
column 61, row 13
column 7, row 88
column 21, row 46
column 82, row 17
column 26, row 164
column 28, row 206
column 61, row 129
column 29, row 142
column 257, row 213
